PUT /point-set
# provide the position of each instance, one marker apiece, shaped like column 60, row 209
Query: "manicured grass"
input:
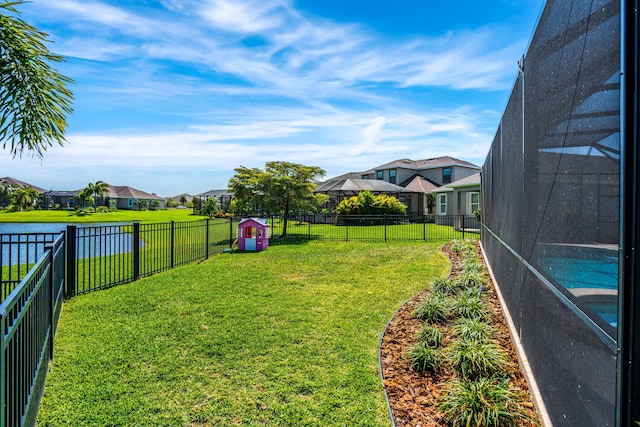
column 119, row 216
column 284, row 337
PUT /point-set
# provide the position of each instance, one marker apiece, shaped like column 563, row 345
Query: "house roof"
column 436, row 162
column 55, row 193
column 214, row 193
column 187, row 196
column 469, row 181
column 420, row 184
column 126, row 192
column 358, row 185
column 21, row 184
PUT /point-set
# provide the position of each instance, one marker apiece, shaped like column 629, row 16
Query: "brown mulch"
column 412, row 396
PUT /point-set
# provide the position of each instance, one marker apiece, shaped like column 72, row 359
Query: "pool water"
column 589, row 273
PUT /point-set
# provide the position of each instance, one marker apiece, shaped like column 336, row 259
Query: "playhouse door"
column 250, row 244
column 249, row 239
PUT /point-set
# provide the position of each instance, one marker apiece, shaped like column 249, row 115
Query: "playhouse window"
column 249, row 232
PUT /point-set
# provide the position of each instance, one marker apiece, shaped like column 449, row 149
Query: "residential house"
column 120, row 197
column 125, row 197
column 16, row 183
column 417, row 179
column 223, row 196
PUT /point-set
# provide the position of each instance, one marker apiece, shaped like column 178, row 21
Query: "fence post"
column 346, row 223
column 231, row 232
column 71, row 259
column 384, row 219
column 52, row 294
column 462, row 227
column 173, row 243
column 424, row 228
column 206, row 251
column 136, row 250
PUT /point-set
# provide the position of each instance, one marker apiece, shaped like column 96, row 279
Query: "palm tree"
column 85, row 197
column 24, row 197
column 34, row 99
column 97, row 189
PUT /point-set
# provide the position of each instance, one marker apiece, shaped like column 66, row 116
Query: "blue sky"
column 172, row 95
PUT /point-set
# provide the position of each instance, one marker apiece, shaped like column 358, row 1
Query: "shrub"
column 485, row 402
column 459, row 245
column 432, row 309
column 469, row 306
column 472, row 264
column 473, row 359
column 471, row 278
column 424, row 358
column 430, row 335
column 102, row 209
column 446, row 287
column 473, row 330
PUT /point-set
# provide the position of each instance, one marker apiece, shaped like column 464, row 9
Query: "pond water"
column 93, row 240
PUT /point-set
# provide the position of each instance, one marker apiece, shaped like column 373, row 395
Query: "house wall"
column 550, row 198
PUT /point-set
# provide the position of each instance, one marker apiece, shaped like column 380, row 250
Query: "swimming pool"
column 588, row 272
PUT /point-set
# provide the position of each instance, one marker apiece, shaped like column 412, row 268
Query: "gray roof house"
column 413, row 180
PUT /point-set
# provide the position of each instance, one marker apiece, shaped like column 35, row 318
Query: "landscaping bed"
column 415, row 397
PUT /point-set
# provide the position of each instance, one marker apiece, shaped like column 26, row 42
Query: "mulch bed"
column 412, row 396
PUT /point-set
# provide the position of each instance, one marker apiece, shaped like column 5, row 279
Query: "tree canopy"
column 281, row 188
column 34, row 98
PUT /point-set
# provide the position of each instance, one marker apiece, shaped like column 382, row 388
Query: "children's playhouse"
column 253, row 234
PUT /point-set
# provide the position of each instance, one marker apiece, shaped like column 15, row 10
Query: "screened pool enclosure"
column 563, row 246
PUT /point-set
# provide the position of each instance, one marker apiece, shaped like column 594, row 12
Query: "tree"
column 210, row 207
column 34, row 98
column 97, row 189
column 183, row 200
column 85, row 197
column 280, row 189
column 23, row 198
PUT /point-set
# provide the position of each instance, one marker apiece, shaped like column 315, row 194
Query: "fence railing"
column 28, row 319
column 18, row 253
column 377, row 227
column 106, row 256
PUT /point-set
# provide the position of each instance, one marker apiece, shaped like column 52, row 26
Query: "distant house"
column 126, row 197
column 340, row 188
column 62, row 199
column 120, row 197
column 16, row 183
column 223, row 196
column 414, row 180
column 181, row 199
column 461, row 197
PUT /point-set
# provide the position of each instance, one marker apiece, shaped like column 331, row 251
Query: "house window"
column 446, row 176
column 129, row 202
column 392, row 176
column 474, row 202
column 442, row 204
column 380, row 175
column 365, row 176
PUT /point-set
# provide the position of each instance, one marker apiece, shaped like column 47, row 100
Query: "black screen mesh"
column 550, row 188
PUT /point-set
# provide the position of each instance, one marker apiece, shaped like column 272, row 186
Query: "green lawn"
column 119, row 216
column 284, row 337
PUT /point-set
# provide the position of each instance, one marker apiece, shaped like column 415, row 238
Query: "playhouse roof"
column 262, row 221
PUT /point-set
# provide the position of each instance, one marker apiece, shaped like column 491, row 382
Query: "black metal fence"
column 28, row 319
column 18, row 253
column 381, row 228
column 105, row 256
